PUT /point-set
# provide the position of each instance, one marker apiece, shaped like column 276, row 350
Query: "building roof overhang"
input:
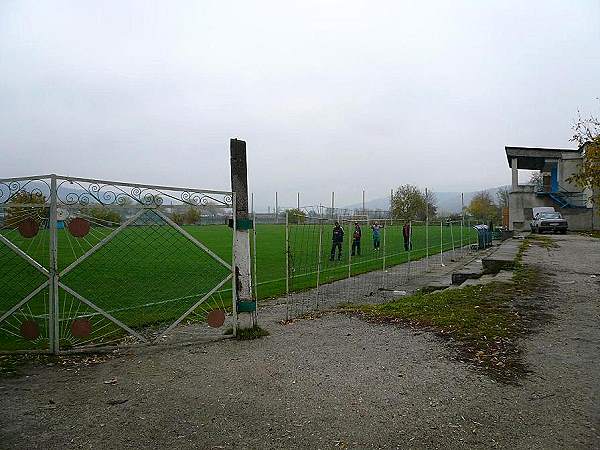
column 533, row 158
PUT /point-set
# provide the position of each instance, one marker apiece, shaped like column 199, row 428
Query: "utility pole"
column 242, row 224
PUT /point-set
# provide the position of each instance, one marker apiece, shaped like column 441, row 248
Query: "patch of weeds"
column 247, row 334
column 483, row 320
column 594, row 234
column 522, row 249
column 542, row 241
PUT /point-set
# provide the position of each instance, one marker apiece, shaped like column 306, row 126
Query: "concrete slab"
column 503, row 258
column 470, row 271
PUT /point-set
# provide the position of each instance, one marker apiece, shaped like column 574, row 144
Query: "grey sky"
column 329, row 95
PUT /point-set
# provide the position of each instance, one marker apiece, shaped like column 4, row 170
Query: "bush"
column 16, row 214
column 103, row 214
column 296, row 216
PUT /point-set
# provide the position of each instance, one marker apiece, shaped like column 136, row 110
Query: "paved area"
column 333, row 382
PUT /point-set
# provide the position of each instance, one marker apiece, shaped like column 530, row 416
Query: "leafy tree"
column 431, row 201
column 296, row 215
column 502, row 196
column 178, row 218
column 16, row 214
column 409, row 203
column 100, row 213
column 191, row 215
column 482, row 207
column 586, row 133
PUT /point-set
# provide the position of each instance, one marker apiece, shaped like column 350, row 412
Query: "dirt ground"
column 333, row 382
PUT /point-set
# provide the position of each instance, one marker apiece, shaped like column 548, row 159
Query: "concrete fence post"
column 241, row 243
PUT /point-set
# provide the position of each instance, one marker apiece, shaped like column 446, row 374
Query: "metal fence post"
column 287, row 264
column 384, row 249
column 409, row 246
column 442, row 242
column 462, row 223
column 254, row 255
column 53, row 312
column 426, row 235
column 320, row 253
column 452, row 238
column 349, row 261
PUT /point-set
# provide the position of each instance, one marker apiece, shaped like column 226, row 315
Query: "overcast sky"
column 329, row 95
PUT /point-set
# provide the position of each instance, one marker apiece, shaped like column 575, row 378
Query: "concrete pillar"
column 241, row 245
column 515, row 174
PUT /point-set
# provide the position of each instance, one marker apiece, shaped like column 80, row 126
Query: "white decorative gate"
column 87, row 262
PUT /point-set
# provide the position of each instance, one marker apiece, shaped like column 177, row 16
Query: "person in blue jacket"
column 376, row 235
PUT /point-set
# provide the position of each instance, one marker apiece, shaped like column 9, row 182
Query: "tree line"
column 410, row 203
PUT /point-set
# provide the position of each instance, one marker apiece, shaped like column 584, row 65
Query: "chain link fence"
column 372, row 255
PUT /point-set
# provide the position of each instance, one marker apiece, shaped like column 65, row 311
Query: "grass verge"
column 484, row 321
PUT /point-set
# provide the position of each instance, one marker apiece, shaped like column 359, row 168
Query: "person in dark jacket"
column 337, row 239
column 406, row 236
column 356, row 239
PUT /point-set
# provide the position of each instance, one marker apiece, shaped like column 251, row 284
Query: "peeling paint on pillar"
column 241, row 246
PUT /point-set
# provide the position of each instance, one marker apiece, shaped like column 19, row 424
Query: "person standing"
column 356, row 239
column 337, row 239
column 406, row 235
column 376, row 228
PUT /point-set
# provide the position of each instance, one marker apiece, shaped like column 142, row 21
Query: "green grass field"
column 150, row 274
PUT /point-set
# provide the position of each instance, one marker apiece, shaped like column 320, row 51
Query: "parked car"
column 549, row 221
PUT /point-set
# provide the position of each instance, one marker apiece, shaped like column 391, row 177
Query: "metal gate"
column 87, row 262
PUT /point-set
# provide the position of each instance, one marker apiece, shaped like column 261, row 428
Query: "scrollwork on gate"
column 74, row 192
column 9, row 189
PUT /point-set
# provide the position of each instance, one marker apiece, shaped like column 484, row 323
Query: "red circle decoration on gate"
column 81, row 328
column 29, row 228
column 216, row 318
column 79, row 227
column 30, row 330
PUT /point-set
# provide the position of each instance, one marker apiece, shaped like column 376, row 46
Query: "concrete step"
column 503, row 258
column 472, row 270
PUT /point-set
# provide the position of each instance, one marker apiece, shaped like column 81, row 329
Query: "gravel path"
column 332, row 382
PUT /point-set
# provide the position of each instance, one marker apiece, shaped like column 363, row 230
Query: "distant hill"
column 447, row 202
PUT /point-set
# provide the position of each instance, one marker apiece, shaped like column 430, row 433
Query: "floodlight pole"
column 332, row 204
column 363, row 201
column 242, row 225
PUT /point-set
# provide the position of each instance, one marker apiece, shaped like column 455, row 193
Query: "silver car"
column 549, row 221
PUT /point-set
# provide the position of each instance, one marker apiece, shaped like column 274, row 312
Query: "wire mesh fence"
column 335, row 261
column 90, row 262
